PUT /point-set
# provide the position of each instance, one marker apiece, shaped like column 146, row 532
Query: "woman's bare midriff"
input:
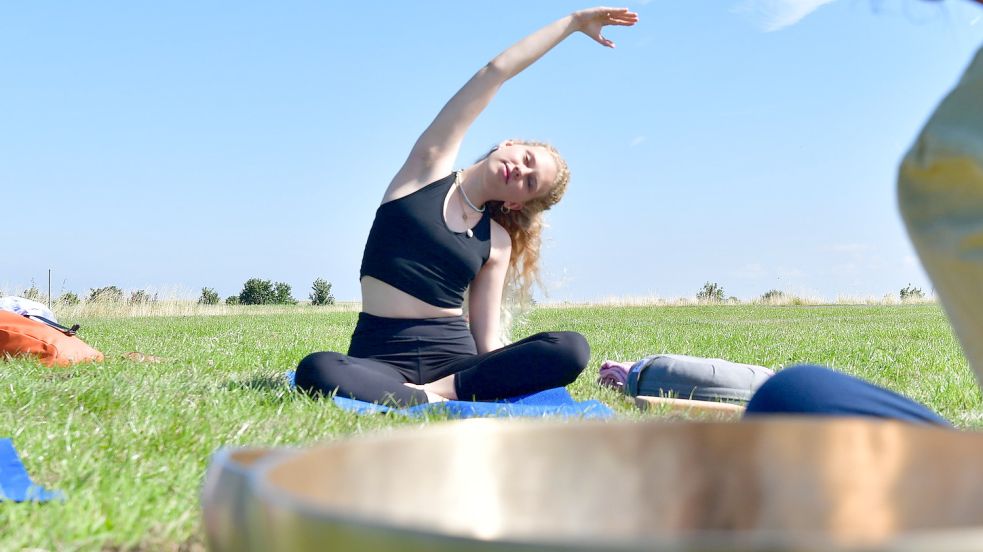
column 382, row 299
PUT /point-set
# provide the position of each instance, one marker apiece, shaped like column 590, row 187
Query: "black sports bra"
column 411, row 248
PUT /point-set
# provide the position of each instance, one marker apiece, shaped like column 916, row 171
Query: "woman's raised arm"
column 433, row 155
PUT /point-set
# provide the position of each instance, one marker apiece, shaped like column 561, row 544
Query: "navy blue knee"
column 796, row 390
column 815, row 390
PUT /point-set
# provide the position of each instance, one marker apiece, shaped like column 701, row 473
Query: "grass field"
column 128, row 442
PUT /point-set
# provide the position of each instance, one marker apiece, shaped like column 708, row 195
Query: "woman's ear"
column 513, row 205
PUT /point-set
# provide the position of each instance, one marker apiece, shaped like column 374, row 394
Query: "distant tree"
column 32, row 293
column 264, row 292
column 208, row 297
column 711, row 292
column 911, row 292
column 321, row 293
column 256, row 292
column 281, row 294
column 773, row 295
column 69, row 299
column 108, row 294
column 232, row 300
column 141, row 297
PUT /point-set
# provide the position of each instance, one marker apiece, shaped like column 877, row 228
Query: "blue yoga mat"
column 552, row 402
column 15, row 484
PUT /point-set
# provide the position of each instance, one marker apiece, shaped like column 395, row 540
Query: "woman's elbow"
column 495, row 70
column 488, row 345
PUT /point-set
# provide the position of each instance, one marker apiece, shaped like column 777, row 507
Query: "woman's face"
column 517, row 173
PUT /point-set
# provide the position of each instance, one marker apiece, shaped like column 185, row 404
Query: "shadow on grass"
column 275, row 387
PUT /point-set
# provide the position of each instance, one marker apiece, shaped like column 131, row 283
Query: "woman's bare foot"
column 437, row 391
column 431, row 396
column 443, row 387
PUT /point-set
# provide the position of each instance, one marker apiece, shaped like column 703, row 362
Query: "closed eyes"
column 531, row 162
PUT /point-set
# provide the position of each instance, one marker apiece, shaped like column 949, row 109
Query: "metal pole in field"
column 49, row 289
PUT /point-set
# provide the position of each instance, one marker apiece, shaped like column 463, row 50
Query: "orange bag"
column 53, row 344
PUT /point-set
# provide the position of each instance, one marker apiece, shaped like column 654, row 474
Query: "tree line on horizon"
column 712, row 292
column 255, row 291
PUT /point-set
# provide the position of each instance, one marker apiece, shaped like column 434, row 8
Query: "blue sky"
column 754, row 143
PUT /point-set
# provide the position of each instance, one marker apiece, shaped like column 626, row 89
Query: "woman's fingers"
column 623, row 20
column 617, row 14
column 600, row 39
column 603, row 41
column 610, row 11
column 607, row 16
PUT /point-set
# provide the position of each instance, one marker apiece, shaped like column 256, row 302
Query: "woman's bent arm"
column 485, row 296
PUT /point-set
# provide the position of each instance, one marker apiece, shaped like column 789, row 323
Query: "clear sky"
column 754, row 143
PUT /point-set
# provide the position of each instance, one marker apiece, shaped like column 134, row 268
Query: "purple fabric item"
column 614, row 374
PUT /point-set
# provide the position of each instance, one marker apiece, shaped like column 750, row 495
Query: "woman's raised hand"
column 590, row 21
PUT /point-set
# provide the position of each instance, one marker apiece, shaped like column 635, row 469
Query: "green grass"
column 128, row 442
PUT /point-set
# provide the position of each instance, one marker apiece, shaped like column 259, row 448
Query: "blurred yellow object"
column 775, row 484
column 940, row 193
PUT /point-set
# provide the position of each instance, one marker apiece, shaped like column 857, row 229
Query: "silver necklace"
column 464, row 214
column 465, row 195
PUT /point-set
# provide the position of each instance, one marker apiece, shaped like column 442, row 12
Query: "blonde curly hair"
column 525, row 226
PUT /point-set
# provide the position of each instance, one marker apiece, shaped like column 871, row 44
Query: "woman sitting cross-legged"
column 441, row 232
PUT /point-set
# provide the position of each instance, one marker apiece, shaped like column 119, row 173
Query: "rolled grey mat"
column 689, row 377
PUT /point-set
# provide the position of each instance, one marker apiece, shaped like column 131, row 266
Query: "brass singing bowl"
column 769, row 484
column 226, row 497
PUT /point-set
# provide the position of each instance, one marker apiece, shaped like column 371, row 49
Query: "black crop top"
column 411, row 248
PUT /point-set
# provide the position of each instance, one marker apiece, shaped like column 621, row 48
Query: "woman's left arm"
column 435, row 150
column 485, row 297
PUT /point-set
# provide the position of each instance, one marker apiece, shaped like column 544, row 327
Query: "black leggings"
column 385, row 353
